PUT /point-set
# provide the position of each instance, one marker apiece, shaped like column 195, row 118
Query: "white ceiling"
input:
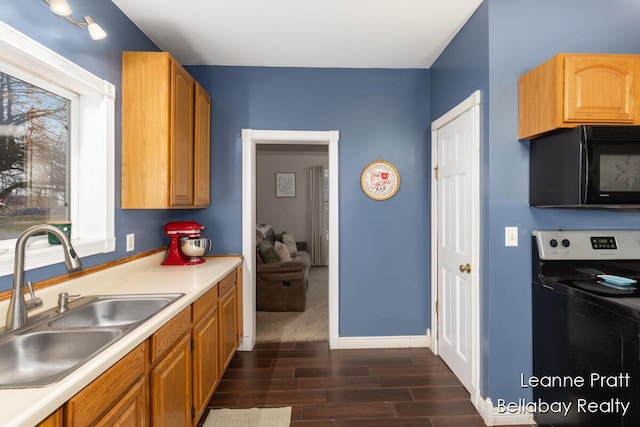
column 302, row 33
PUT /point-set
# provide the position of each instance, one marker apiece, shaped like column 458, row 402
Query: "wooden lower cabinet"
column 170, row 387
column 169, row 379
column 228, row 309
column 130, row 411
column 53, row 420
column 101, row 402
column 205, row 335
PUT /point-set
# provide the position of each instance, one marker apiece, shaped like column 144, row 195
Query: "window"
column 62, row 148
column 34, row 152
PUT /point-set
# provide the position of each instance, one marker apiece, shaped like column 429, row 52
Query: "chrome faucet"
column 17, row 311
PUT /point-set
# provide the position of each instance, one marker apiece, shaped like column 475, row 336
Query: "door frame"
column 472, row 103
column 251, row 138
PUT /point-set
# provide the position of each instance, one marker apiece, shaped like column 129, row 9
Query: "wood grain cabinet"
column 53, row 420
column 573, row 89
column 118, row 395
column 170, row 376
column 202, row 147
column 228, row 310
column 169, row 379
column 165, row 134
column 205, row 336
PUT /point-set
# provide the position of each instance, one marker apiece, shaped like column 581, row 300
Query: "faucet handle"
column 34, row 302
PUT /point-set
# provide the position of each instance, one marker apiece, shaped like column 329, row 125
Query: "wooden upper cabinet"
column 573, row 89
column 182, row 144
column 202, row 144
column 163, row 136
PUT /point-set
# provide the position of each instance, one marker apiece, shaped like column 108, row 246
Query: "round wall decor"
column 380, row 180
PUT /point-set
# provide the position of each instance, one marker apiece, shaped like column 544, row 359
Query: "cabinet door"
column 96, row 399
column 130, row 411
column 228, row 328
column 146, row 129
column 53, row 420
column 598, row 89
column 202, row 144
column 182, row 99
column 206, row 371
column 171, row 387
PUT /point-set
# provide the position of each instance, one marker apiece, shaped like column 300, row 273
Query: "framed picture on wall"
column 380, row 180
column 285, row 184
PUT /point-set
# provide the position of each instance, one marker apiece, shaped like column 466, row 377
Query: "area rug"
column 253, row 417
column 309, row 325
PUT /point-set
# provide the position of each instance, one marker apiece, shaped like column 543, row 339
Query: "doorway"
column 455, row 226
column 303, row 215
column 250, row 139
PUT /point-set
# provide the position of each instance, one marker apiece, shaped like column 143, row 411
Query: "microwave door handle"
column 584, row 173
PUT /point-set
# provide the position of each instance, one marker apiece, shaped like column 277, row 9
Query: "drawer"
column 227, row 283
column 96, row 398
column 205, row 303
column 168, row 335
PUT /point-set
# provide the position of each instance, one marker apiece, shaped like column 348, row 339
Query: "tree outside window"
column 34, row 156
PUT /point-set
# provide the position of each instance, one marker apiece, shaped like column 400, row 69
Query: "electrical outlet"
column 511, row 236
column 131, row 240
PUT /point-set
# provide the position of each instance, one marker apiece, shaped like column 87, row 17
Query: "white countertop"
column 27, row 407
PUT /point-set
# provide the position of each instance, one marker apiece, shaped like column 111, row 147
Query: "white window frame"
column 92, row 152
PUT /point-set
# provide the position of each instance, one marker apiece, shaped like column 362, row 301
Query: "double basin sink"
column 49, row 349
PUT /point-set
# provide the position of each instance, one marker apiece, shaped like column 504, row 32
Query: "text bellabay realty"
column 595, row 380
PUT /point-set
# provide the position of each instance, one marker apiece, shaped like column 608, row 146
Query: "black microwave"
column 589, row 166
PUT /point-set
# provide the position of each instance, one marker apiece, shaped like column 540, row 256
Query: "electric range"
column 586, row 327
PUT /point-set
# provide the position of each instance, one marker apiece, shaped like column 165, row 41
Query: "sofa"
column 282, row 276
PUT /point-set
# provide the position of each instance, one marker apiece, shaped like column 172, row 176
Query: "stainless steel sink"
column 46, row 351
column 42, row 358
column 113, row 310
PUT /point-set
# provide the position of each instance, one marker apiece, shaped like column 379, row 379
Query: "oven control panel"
column 587, row 244
column 608, row 242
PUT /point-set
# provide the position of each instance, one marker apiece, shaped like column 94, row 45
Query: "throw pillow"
column 282, row 251
column 268, row 253
column 290, row 242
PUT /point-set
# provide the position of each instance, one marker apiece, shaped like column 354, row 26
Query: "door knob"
column 465, row 268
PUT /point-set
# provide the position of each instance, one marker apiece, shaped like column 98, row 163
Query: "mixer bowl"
column 194, row 247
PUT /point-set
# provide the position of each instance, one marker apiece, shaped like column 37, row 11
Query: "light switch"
column 511, row 236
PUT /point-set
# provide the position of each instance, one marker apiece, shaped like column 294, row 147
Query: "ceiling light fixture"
column 62, row 9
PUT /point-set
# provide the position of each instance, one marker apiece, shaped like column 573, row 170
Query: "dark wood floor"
column 347, row 388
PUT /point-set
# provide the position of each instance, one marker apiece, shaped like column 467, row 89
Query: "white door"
column 454, row 245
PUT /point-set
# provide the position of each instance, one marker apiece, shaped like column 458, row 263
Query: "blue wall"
column 521, row 34
column 384, row 287
column 379, row 113
column 102, row 58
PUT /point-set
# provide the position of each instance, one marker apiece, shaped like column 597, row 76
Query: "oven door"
column 612, row 171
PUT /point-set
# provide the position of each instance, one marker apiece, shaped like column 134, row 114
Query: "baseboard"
column 492, row 417
column 408, row 341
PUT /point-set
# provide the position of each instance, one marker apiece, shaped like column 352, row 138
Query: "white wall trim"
column 250, row 138
column 492, row 417
column 408, row 341
column 471, row 103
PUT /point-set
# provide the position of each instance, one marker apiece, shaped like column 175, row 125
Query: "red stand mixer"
column 186, row 246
